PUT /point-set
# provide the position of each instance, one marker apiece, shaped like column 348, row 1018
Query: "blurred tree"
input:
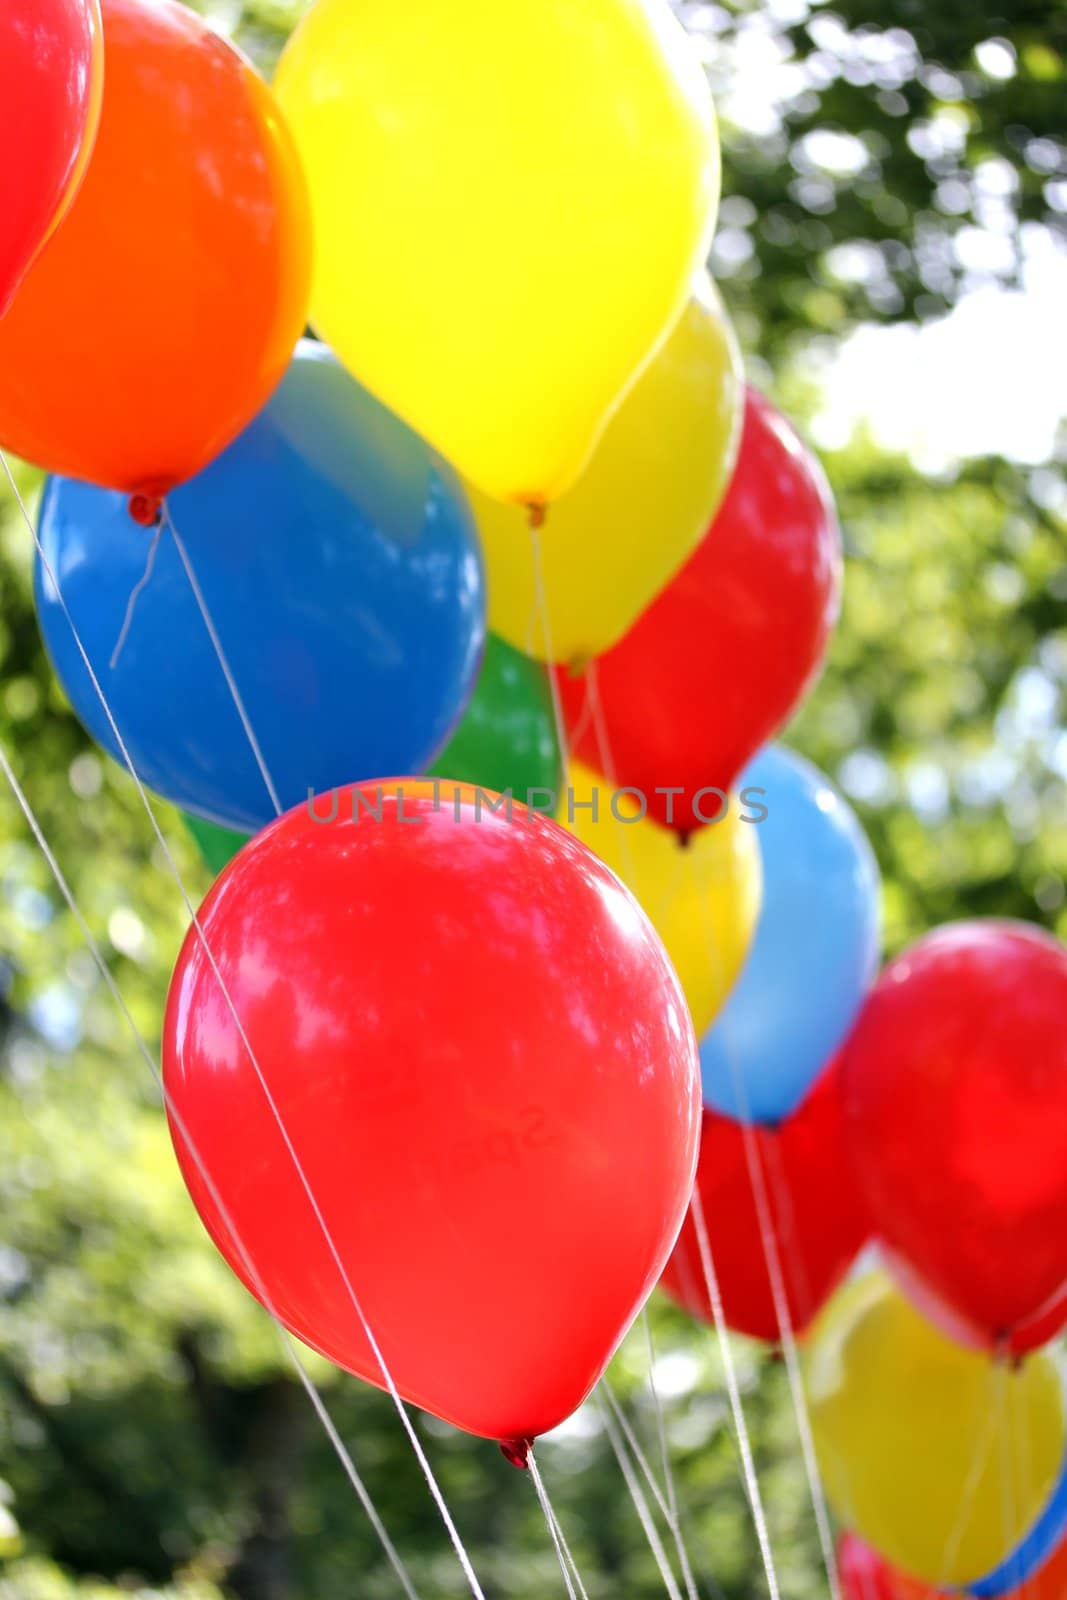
column 881, row 165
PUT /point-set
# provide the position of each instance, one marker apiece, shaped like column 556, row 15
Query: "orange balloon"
column 163, row 312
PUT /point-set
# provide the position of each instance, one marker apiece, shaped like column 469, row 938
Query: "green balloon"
column 507, row 738
column 217, row 845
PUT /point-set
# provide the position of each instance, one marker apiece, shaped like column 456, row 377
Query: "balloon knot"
column 537, row 514
column 146, row 509
column 517, row 1451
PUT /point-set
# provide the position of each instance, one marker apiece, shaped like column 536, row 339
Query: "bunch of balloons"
column 455, row 1045
column 535, row 973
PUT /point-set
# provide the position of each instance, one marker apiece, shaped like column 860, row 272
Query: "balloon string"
column 541, row 613
column 567, row 1565
column 787, row 1337
column 231, row 682
column 987, row 1420
column 668, row 1511
column 285, row 1338
column 673, row 1518
column 135, row 594
column 1024, row 1459
column 416, row 1444
column 641, row 1506
column 733, row 1389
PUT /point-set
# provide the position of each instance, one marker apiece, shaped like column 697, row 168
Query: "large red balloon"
column 486, row 1067
column 719, row 661
column 51, row 72
column 817, row 1213
column 956, row 1094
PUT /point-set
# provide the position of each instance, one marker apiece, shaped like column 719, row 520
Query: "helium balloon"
column 956, row 1087
column 637, row 511
column 217, row 845
column 340, row 569
column 814, row 1211
column 815, row 949
column 51, row 77
column 564, row 161
column 163, row 314
column 917, row 1436
column 507, row 737
column 703, row 901
column 724, row 656
column 483, row 1061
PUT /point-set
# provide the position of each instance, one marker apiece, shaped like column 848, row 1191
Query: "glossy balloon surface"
column 341, row 570
column 724, row 655
column 703, row 901
column 816, row 1217
column 644, row 501
column 51, row 78
column 484, row 1063
column 815, row 951
column 562, row 159
column 916, row 1436
column 164, row 312
column 956, row 1085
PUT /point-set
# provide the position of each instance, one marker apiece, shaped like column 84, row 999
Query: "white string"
column 135, row 592
column 563, row 1555
column 787, row 1337
column 988, row 1417
column 668, row 1509
column 285, row 1338
column 231, row 682
column 546, row 633
column 755, row 1499
column 637, row 1495
column 416, row 1444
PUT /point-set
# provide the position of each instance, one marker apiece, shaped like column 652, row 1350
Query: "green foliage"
column 153, row 1440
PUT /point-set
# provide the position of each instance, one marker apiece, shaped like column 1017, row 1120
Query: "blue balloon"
column 339, row 563
column 816, row 947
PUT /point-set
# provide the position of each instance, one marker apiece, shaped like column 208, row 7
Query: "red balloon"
column 486, row 1067
column 818, row 1216
column 51, row 75
column 956, row 1096
column 721, row 659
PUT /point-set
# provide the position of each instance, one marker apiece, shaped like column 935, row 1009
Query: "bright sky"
column 990, row 378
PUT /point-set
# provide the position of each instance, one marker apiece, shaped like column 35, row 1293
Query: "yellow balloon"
column 509, row 200
column 638, row 510
column 937, row 1456
column 702, row 898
